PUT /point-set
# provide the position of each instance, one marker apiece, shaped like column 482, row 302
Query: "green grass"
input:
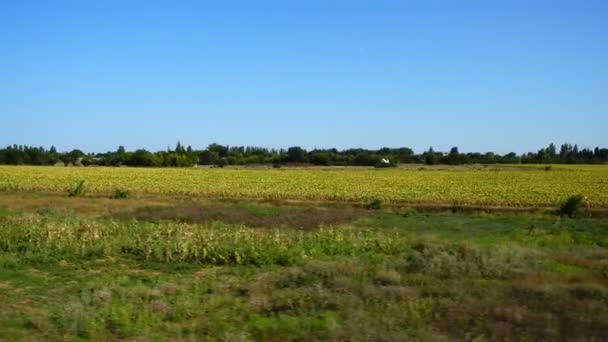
column 388, row 276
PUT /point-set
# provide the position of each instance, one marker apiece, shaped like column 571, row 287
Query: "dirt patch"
column 248, row 214
column 48, row 202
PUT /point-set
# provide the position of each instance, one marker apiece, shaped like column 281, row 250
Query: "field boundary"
column 169, row 199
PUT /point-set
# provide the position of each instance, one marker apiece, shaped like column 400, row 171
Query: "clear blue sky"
column 483, row 75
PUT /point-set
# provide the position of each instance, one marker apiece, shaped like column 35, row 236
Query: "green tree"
column 454, row 156
column 142, row 157
column 296, row 154
column 430, row 157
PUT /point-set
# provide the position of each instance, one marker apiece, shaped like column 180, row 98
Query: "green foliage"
column 431, row 157
column 388, row 277
column 9, row 187
column 221, row 162
column 458, row 260
column 142, row 157
column 573, row 206
column 78, row 190
column 374, row 204
column 296, row 154
column 216, row 243
column 242, row 155
column 120, row 194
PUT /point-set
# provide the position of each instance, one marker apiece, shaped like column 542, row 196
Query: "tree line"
column 221, row 155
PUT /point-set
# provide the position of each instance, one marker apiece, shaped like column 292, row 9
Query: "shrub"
column 387, row 277
column 410, row 212
column 78, row 190
column 374, row 204
column 221, row 162
column 120, row 193
column 573, row 206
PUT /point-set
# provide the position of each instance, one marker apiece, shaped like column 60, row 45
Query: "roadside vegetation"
column 420, row 253
column 67, row 272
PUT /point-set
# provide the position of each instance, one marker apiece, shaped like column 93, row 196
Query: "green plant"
column 573, row 206
column 9, row 187
column 120, row 194
column 78, row 190
column 387, row 277
column 374, row 204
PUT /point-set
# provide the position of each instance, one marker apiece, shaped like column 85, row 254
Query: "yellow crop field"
column 511, row 186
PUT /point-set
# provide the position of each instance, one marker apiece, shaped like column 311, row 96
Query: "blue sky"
column 482, row 75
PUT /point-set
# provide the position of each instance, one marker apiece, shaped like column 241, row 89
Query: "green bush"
column 374, row 204
column 573, row 206
column 120, row 194
column 78, row 190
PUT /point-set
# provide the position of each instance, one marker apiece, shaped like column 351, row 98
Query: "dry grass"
column 184, row 209
column 66, row 274
column 92, row 205
column 248, row 215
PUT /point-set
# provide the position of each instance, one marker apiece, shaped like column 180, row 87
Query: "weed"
column 387, row 277
column 410, row 212
column 66, row 276
column 78, row 190
column 374, row 204
column 573, row 206
column 120, row 194
column 9, row 187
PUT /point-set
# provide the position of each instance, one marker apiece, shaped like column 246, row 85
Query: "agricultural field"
column 302, row 254
column 508, row 186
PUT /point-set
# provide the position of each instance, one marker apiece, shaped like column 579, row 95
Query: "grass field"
column 162, row 265
column 509, row 186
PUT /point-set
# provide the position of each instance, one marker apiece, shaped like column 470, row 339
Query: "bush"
column 120, row 193
column 387, row 277
column 221, row 162
column 573, row 206
column 78, row 190
column 374, row 204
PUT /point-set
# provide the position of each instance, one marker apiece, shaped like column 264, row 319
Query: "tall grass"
column 78, row 190
column 213, row 243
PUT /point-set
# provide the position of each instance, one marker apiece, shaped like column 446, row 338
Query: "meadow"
column 509, row 186
column 195, row 255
